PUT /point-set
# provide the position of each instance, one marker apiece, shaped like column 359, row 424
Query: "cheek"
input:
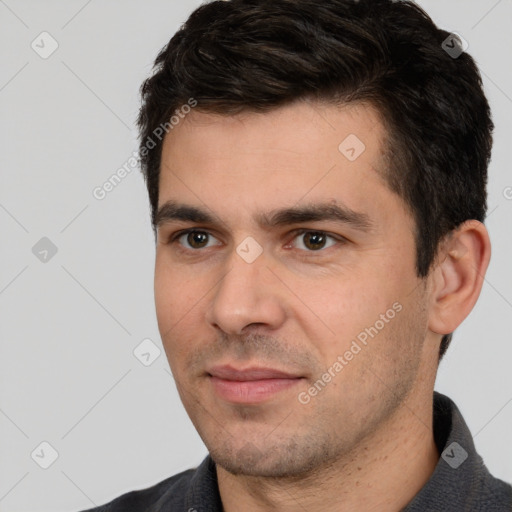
column 176, row 288
column 176, row 302
column 165, row 296
column 344, row 303
column 346, row 308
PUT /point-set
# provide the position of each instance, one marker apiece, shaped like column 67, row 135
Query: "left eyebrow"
column 314, row 213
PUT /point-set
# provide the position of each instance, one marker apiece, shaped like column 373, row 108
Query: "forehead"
column 258, row 162
column 309, row 126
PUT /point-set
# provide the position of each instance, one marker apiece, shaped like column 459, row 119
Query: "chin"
column 286, row 460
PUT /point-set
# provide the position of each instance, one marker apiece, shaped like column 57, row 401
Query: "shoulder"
column 460, row 481
column 495, row 494
column 172, row 489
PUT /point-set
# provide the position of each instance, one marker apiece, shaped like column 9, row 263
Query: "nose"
column 248, row 294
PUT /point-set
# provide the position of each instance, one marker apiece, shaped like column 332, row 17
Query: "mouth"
column 250, row 385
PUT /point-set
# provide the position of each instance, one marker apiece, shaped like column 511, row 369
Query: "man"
column 316, row 173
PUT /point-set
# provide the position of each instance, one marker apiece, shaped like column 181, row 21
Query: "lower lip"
column 250, row 391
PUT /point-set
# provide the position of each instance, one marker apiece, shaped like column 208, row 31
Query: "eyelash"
column 341, row 240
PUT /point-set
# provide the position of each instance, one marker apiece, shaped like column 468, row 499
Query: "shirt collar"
column 457, row 478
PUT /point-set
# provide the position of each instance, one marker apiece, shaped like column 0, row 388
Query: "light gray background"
column 69, row 326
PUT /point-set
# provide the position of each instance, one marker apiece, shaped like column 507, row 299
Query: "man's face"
column 292, row 333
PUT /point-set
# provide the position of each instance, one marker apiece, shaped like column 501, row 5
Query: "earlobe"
column 458, row 276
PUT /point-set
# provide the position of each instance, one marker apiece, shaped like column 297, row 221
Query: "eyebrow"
column 174, row 211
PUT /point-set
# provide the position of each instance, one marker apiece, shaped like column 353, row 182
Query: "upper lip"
column 253, row 373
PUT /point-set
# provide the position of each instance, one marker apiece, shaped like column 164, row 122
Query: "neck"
column 382, row 473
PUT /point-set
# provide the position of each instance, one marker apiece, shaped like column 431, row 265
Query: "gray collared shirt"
column 460, row 482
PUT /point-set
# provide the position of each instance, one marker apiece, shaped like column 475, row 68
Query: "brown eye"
column 197, row 239
column 314, row 241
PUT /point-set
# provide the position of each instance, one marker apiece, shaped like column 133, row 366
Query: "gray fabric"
column 460, row 482
column 457, row 484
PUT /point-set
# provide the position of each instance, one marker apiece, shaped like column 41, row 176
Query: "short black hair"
column 256, row 55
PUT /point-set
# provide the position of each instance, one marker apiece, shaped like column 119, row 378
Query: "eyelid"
column 299, row 232
column 176, row 234
column 174, row 237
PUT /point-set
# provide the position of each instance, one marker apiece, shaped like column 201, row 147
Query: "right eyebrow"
column 171, row 210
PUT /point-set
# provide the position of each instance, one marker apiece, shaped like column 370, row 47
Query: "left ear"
column 458, row 276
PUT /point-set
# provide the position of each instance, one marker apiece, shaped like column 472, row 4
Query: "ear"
column 458, row 276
